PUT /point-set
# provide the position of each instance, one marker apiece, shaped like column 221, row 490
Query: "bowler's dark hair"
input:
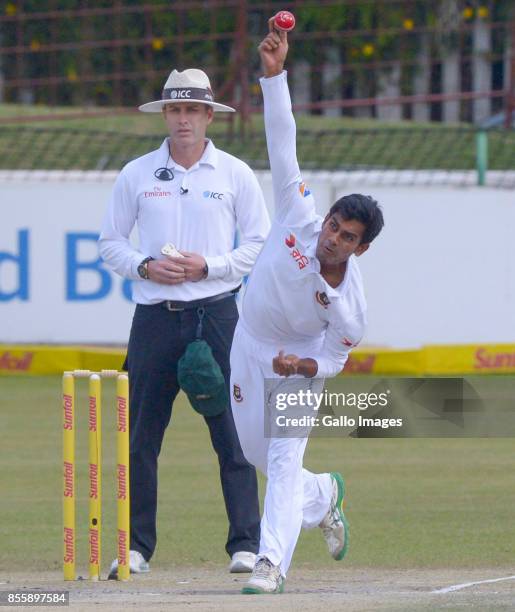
column 361, row 208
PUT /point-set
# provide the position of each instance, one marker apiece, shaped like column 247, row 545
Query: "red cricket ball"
column 285, row 21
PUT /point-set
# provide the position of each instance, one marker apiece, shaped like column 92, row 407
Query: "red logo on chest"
column 290, row 241
column 302, row 260
column 157, row 193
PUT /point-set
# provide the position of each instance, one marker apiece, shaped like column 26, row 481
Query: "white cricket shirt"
column 198, row 211
column 287, row 302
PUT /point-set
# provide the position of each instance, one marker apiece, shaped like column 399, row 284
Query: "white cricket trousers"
column 294, row 496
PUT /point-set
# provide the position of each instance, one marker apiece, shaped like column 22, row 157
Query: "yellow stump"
column 122, row 473
column 68, row 477
column 95, row 476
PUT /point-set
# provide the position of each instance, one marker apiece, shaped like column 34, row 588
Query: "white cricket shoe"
column 242, row 562
column 266, row 578
column 137, row 565
column 334, row 524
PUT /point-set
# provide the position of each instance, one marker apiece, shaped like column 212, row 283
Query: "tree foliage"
column 122, row 58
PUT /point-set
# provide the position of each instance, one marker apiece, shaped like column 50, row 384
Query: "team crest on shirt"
column 236, row 393
column 322, row 299
column 348, row 342
column 304, row 191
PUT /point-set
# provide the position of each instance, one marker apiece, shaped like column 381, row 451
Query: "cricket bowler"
column 303, row 311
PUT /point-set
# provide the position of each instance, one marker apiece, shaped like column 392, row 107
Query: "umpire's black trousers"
column 157, row 341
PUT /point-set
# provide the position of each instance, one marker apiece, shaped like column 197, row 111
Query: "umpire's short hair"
column 361, row 208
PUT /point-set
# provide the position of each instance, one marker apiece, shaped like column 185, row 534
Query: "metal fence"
column 389, row 155
column 439, row 60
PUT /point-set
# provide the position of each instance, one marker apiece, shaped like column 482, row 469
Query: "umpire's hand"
column 166, row 272
column 176, row 270
column 193, row 264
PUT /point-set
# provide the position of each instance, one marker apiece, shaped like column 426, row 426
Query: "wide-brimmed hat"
column 191, row 85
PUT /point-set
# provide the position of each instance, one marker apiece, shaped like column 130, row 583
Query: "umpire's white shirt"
column 198, row 211
column 287, row 303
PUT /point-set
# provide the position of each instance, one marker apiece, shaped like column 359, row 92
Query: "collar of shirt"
column 209, row 156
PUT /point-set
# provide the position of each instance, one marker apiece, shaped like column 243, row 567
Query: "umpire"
column 190, row 195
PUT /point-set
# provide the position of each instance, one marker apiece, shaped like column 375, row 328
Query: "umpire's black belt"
column 176, row 306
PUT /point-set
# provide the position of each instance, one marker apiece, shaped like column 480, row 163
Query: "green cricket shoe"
column 334, row 525
column 266, row 579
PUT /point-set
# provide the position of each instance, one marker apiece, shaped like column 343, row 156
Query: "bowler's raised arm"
column 279, row 121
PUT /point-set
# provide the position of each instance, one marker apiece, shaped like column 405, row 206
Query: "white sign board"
column 442, row 271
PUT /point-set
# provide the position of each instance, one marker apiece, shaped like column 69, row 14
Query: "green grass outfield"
column 143, row 123
column 331, row 143
column 426, row 503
